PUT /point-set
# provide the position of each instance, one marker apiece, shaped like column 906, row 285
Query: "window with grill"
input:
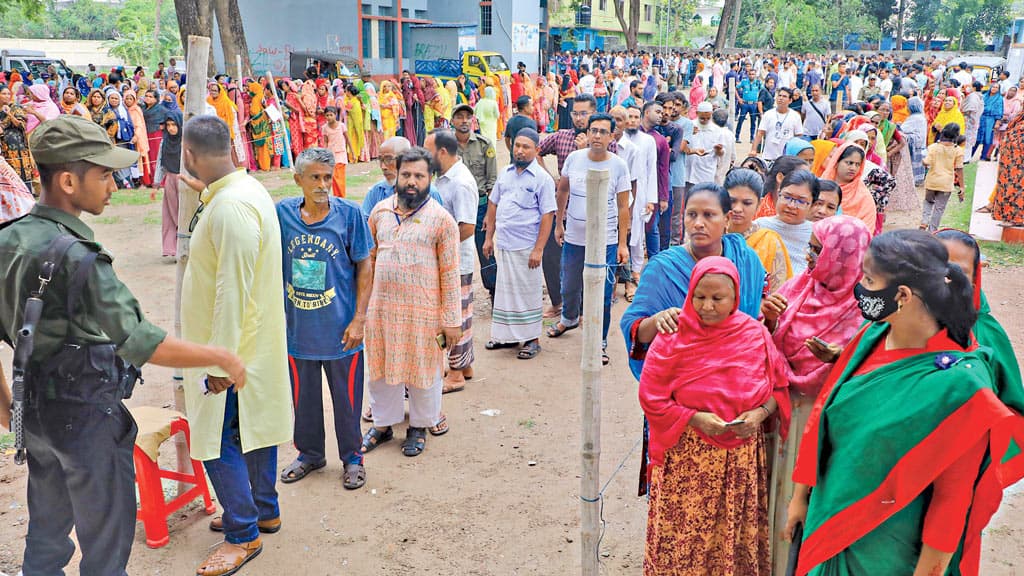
column 485, row 19
column 386, row 39
column 647, row 12
column 367, row 39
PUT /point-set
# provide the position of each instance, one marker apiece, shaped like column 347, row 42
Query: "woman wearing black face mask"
column 903, row 456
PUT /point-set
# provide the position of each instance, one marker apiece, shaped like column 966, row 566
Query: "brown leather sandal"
column 227, row 558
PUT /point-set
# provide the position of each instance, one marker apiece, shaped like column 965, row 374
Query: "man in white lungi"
column 520, row 212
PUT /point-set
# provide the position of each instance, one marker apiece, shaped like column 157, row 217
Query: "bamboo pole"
column 595, row 274
column 281, row 108
column 188, row 203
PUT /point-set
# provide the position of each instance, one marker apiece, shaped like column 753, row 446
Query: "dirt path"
column 496, row 496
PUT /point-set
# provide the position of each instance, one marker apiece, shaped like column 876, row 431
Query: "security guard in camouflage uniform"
column 90, row 335
column 478, row 155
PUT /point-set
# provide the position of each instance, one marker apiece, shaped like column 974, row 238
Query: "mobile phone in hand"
column 736, row 422
column 442, row 342
column 821, row 342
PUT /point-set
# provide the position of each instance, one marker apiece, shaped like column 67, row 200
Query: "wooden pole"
column 188, row 203
column 281, row 108
column 732, row 101
column 595, row 274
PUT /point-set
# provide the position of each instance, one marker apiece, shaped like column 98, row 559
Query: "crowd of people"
column 808, row 380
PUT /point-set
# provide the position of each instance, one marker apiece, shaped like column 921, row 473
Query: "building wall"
column 514, row 31
column 602, row 16
column 274, row 28
column 77, row 54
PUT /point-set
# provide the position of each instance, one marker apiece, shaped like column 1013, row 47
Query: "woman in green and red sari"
column 906, row 453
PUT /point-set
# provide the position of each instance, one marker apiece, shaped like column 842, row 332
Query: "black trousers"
column 345, row 383
column 80, row 474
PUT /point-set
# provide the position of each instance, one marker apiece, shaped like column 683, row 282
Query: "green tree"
column 965, row 22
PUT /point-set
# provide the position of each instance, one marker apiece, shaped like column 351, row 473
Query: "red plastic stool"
column 156, row 425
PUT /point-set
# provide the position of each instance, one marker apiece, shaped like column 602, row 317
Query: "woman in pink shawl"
column 818, row 303
column 15, row 198
column 40, row 107
column 697, row 95
column 412, row 93
column 707, row 390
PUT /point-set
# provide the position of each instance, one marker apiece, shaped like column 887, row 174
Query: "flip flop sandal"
column 415, row 441
column 552, row 313
column 354, row 476
column 559, row 329
column 375, row 437
column 492, row 345
column 529, row 351
column 448, row 388
column 368, row 415
column 298, row 470
column 441, row 428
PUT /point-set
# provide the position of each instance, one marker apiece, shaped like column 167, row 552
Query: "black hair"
column 782, row 165
column 950, row 132
column 756, row 164
column 648, row 105
column 747, row 178
column 601, row 118
column 977, row 85
column 802, row 177
column 850, row 151
column 47, row 172
column 522, row 102
column 351, row 89
column 920, row 261
column 965, row 239
column 830, row 186
column 414, row 154
column 634, row 84
column 710, row 188
column 444, row 139
column 331, row 109
column 207, row 135
column 787, row 90
column 589, row 98
column 663, row 98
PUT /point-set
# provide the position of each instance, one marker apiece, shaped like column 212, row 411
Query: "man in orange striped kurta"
column 414, row 313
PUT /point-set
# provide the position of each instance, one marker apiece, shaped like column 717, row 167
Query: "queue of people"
column 770, row 319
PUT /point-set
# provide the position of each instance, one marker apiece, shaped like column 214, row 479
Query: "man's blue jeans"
column 755, row 117
column 572, row 285
column 488, row 266
column 244, row 483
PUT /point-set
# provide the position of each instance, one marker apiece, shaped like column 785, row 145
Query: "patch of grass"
column 134, row 197
column 1001, row 254
column 527, row 423
column 958, row 214
column 6, row 442
column 108, row 220
column 152, row 218
column 286, row 190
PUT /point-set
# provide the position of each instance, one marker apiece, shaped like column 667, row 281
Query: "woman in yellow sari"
column 217, row 96
column 822, row 150
column 746, row 188
column 354, row 121
column 259, row 126
column 900, row 109
column 950, row 113
column 391, row 108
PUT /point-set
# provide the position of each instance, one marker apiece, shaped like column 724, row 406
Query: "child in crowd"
column 945, row 163
column 334, row 139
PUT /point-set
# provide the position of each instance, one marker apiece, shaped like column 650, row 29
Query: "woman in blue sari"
column 665, row 280
column 989, row 118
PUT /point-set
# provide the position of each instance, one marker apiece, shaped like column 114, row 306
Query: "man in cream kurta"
column 231, row 296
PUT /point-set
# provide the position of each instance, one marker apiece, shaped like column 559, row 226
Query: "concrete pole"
column 595, row 274
column 188, row 203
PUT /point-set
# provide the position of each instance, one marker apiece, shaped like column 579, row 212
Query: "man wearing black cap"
column 477, row 152
column 90, row 335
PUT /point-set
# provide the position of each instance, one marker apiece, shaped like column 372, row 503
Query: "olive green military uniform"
column 479, row 156
column 78, row 433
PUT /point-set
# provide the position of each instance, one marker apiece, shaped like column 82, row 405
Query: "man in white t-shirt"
column 457, row 187
column 778, row 126
column 587, row 80
column 572, row 210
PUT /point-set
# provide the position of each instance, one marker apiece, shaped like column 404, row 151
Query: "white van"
column 35, row 61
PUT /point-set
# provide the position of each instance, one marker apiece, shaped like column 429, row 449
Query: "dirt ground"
column 496, row 496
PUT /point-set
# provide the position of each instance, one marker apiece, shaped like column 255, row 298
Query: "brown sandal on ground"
column 227, row 558
column 354, row 476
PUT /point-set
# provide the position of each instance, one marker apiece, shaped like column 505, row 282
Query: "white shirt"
column 575, row 169
column 885, row 87
column 587, row 83
column 701, row 169
column 778, row 130
column 457, row 188
column 963, row 77
column 856, row 83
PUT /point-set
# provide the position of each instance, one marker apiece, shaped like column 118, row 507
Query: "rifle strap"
column 52, row 259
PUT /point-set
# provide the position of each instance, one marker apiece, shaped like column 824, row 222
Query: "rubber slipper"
column 559, row 329
column 492, row 345
column 529, row 350
column 441, row 428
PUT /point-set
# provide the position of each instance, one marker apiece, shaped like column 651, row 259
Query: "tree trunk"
column 631, row 28
column 723, row 24
column 232, row 33
column 195, row 18
column 735, row 23
column 899, row 25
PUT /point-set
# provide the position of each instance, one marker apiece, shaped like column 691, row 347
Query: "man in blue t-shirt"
column 326, row 246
